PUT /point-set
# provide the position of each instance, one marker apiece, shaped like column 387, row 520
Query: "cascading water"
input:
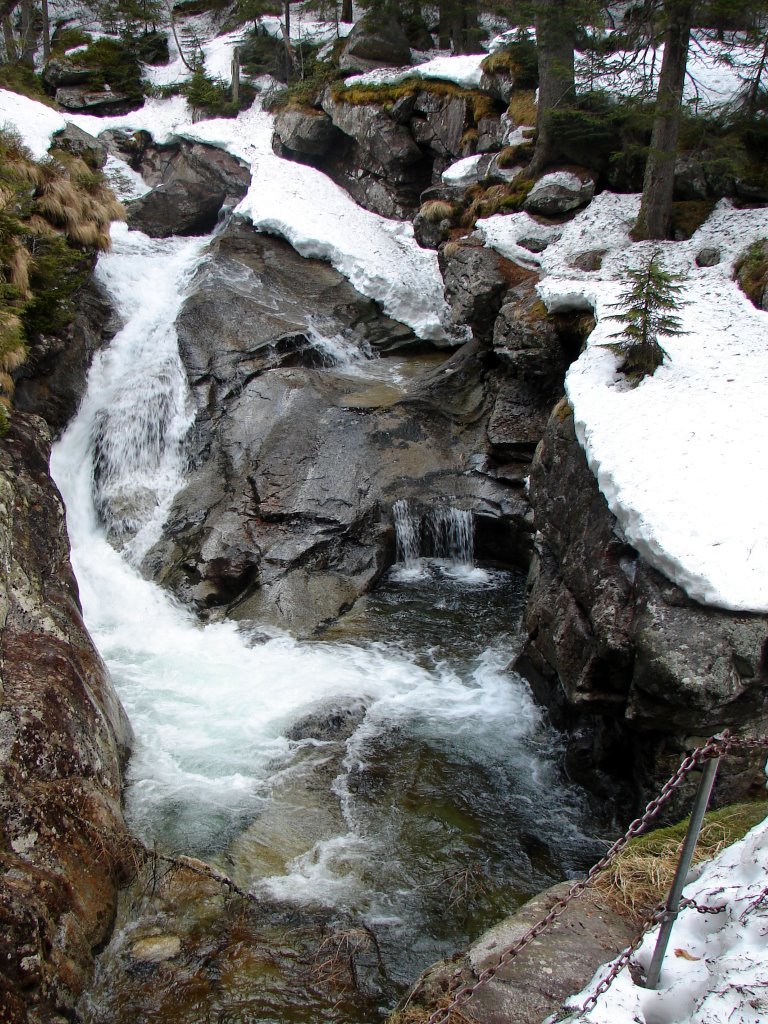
column 213, row 713
column 443, row 536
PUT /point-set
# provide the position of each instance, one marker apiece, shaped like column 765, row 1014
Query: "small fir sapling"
column 648, row 304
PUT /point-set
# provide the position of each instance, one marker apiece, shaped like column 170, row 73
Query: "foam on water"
column 211, row 710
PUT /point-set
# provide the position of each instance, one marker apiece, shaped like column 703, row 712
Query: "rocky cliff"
column 63, row 736
column 634, row 670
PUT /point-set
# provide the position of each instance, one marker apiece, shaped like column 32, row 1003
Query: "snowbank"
column 464, row 71
column 380, row 257
column 34, row 122
column 680, row 459
column 716, row 969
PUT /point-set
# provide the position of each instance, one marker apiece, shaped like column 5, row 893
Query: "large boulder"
column 374, row 42
column 75, row 140
column 52, row 381
column 476, row 279
column 100, row 102
column 378, row 161
column 305, row 132
column 286, row 514
column 192, row 184
column 63, row 736
column 632, row 667
column 560, row 192
column 60, row 71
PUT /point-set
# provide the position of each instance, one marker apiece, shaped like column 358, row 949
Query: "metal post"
column 672, row 907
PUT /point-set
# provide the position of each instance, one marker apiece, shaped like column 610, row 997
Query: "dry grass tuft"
column 435, row 210
column 640, row 877
column 19, row 263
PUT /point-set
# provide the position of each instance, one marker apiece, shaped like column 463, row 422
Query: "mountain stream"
column 383, row 793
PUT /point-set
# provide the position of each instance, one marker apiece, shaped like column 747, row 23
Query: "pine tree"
column 649, row 304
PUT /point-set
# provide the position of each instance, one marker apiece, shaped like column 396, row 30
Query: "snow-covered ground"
column 716, row 967
column 680, row 458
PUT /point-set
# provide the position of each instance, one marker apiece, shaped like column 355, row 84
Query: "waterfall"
column 444, row 533
column 407, row 535
column 213, row 711
column 452, row 533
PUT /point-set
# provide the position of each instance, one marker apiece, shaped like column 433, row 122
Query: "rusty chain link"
column 716, row 746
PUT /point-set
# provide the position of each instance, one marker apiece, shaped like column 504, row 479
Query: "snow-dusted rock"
column 560, row 192
column 306, row 132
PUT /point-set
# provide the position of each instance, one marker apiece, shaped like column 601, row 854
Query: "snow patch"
column 716, row 966
column 464, row 71
column 32, row 121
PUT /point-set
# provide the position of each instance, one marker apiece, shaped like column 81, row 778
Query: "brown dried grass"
column 640, row 877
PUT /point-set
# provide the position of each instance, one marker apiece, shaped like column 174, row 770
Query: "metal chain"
column 621, row 962
column 716, row 746
column 685, row 902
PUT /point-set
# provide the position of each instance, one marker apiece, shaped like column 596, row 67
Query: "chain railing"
column 715, row 747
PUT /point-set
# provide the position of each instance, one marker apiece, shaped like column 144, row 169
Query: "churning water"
column 449, row 765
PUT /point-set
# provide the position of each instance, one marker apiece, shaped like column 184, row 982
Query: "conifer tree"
column 648, row 305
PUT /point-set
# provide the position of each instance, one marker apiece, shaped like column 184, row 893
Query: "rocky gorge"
column 297, row 451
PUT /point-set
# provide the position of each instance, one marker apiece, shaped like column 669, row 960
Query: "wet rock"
column 75, row 140
column 374, row 42
column 621, row 655
column 476, row 279
column 560, row 192
column 306, row 132
column 537, row 982
column 63, row 736
column 286, row 515
column 336, row 722
column 96, row 101
column 192, row 184
column 52, row 381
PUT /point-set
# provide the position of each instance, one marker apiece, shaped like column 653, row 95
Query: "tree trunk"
column 28, row 42
column 346, row 11
column 658, row 184
column 236, row 77
column 11, row 53
column 555, row 38
column 445, row 12
column 46, row 30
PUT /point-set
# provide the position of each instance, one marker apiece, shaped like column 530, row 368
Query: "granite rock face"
column 63, row 737
column 634, row 669
column 296, row 460
column 51, row 383
column 192, row 182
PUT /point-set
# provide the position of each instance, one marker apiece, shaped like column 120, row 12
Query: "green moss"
column 688, row 216
column 517, row 59
column 115, row 64
column 735, row 821
column 24, row 81
column 480, row 104
column 752, row 270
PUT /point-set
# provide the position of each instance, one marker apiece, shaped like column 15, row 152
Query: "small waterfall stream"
column 448, row 767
